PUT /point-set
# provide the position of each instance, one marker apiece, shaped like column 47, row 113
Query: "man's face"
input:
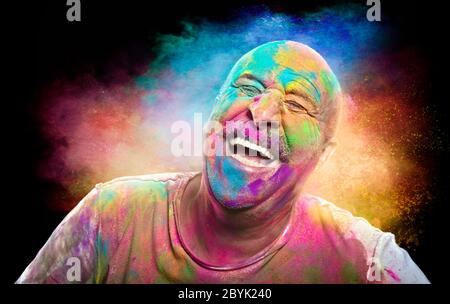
column 283, row 95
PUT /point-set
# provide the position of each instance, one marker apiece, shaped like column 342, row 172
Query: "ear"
column 327, row 151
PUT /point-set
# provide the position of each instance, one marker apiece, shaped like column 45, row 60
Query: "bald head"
column 290, row 86
column 293, row 66
column 316, row 77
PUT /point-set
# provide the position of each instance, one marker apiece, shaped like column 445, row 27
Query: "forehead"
column 294, row 66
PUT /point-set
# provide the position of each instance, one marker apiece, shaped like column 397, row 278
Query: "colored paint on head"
column 303, row 79
column 99, row 131
column 260, row 61
column 331, row 85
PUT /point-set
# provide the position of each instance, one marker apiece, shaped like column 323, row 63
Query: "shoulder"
column 143, row 181
column 387, row 262
column 124, row 197
column 140, row 188
column 130, row 206
column 341, row 221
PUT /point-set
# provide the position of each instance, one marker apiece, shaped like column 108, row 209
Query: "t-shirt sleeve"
column 70, row 254
column 391, row 264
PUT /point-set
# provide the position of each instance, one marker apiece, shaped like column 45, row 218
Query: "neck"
column 224, row 236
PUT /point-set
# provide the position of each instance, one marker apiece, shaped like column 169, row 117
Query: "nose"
column 266, row 107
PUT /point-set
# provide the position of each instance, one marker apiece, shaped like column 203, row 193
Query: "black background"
column 45, row 46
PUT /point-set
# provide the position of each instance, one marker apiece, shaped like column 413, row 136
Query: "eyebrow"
column 309, row 86
column 305, row 96
column 312, row 101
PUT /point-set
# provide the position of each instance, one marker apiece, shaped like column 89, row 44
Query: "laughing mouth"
column 251, row 154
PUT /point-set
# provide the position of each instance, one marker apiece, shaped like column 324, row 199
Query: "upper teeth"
column 250, row 145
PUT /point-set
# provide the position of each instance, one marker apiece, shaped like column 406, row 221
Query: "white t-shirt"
column 125, row 231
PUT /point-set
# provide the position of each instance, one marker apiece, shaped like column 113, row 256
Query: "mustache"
column 267, row 134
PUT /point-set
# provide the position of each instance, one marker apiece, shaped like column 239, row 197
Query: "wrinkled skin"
column 243, row 219
column 283, row 82
column 234, row 210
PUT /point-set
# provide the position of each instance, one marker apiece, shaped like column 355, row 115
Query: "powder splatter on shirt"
column 124, row 231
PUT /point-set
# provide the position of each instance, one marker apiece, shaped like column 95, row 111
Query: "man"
column 244, row 218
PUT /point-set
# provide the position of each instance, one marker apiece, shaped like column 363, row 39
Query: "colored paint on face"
column 261, row 87
column 281, row 175
column 255, row 186
column 302, row 80
column 235, row 177
column 306, row 135
column 98, row 131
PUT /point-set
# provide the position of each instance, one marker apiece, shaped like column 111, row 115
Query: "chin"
column 236, row 185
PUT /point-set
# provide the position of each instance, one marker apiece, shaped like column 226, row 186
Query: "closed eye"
column 249, row 90
column 295, row 106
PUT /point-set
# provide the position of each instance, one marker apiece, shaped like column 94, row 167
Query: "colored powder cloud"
column 101, row 131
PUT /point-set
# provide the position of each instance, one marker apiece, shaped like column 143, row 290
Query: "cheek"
column 303, row 134
column 210, row 146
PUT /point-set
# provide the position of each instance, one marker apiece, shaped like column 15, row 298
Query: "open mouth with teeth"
column 251, row 154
